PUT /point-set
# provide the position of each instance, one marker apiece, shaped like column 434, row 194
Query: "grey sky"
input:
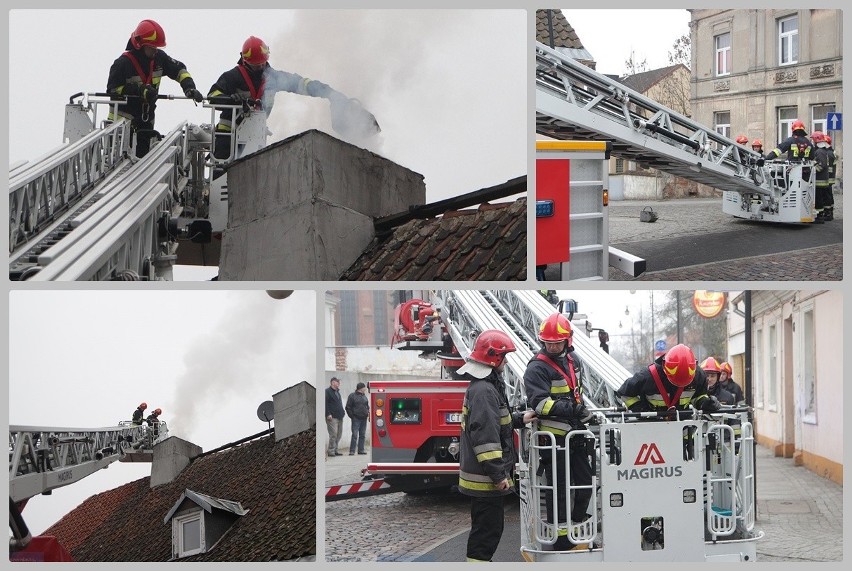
column 206, row 358
column 448, row 87
column 610, row 35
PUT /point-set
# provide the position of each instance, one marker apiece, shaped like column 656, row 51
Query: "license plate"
column 453, row 417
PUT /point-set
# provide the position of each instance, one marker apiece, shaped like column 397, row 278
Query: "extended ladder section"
column 42, row 190
column 42, row 459
column 121, row 232
column 466, row 313
column 90, row 211
column 573, row 101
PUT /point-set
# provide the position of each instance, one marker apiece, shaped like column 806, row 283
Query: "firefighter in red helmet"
column 153, row 421
column 253, row 84
column 672, row 381
column 757, row 146
column 139, row 414
column 136, row 75
column 797, row 147
column 824, row 164
column 742, row 140
column 487, row 448
column 726, row 378
column 713, row 371
column 553, row 382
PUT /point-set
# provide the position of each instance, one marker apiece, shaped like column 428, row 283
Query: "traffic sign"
column 660, row 345
column 834, row 121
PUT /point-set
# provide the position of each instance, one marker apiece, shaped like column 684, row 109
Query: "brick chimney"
column 171, row 456
column 295, row 410
column 303, row 208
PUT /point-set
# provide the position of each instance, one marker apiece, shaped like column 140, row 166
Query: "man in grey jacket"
column 358, row 409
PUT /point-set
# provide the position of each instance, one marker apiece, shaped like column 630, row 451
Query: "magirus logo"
column 649, row 453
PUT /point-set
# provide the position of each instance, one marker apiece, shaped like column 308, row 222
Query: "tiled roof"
column 644, row 81
column 488, row 243
column 564, row 35
column 276, row 482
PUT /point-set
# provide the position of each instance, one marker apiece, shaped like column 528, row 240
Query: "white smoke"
column 389, row 60
column 260, row 346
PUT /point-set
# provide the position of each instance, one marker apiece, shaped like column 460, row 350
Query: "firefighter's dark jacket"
column 732, row 387
column 549, row 395
column 797, row 147
column 138, row 414
column 487, row 451
column 124, row 79
column 266, row 82
column 824, row 166
column 640, row 392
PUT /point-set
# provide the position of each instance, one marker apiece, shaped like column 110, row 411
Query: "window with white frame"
column 758, row 368
column 819, row 113
column 722, row 123
column 723, row 54
column 772, row 377
column 808, row 352
column 189, row 533
column 788, row 40
column 786, row 117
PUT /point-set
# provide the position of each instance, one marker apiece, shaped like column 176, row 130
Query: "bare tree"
column 635, row 66
column 681, row 52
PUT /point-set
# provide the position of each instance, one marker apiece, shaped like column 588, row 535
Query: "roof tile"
column 275, row 481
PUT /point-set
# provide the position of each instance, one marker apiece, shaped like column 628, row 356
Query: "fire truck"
column 90, row 210
column 587, row 116
column 666, row 488
column 42, row 459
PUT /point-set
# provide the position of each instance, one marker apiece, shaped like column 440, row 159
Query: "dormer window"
column 199, row 521
column 189, row 531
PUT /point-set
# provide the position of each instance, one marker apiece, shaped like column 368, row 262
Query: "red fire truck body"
column 415, row 432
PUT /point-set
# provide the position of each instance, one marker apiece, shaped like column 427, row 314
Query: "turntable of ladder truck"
column 587, row 117
column 42, row 459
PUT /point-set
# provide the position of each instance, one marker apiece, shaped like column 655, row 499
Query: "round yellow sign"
column 708, row 303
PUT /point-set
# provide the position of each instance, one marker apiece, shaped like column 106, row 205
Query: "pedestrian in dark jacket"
column 358, row 410
column 487, row 450
column 553, row 382
column 334, row 414
column 137, row 73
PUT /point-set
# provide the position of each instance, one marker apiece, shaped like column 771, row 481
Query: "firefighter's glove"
column 583, row 414
column 711, row 404
column 241, row 100
column 149, row 94
column 194, row 94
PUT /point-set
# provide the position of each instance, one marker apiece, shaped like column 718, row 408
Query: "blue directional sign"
column 660, row 345
column 834, row 121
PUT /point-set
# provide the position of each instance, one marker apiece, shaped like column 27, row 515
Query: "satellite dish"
column 279, row 293
column 266, row 411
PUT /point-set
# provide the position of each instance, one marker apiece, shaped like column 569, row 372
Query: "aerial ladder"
column 574, row 102
column 678, row 488
column 42, row 459
column 445, row 327
column 90, row 210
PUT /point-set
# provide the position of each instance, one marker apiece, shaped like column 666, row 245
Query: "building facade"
column 797, row 374
column 754, row 72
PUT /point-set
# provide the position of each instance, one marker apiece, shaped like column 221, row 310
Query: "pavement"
column 800, row 513
column 694, row 240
